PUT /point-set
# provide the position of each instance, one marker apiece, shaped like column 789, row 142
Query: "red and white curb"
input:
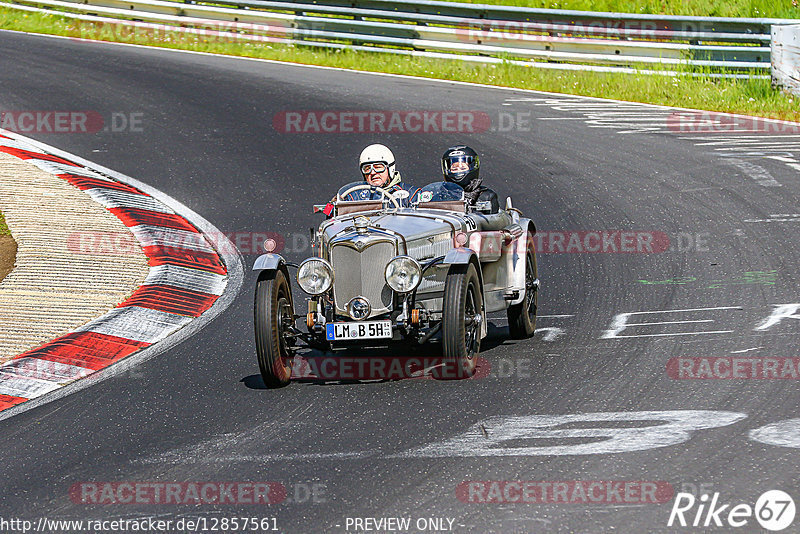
column 188, row 284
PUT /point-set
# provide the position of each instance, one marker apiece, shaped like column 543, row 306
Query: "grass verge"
column 4, row 231
column 781, row 9
column 8, row 249
column 748, row 96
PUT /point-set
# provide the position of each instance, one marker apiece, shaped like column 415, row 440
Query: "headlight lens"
column 315, row 276
column 403, row 274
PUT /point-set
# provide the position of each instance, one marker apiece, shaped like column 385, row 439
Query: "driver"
column 461, row 165
column 377, row 167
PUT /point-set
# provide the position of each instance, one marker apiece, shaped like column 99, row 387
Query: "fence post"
column 785, row 55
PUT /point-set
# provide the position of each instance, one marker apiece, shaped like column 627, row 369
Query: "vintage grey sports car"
column 399, row 269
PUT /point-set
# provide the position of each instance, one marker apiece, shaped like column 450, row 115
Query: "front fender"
column 459, row 256
column 465, row 256
column 517, row 251
column 269, row 262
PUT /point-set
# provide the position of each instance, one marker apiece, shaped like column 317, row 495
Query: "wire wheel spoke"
column 471, row 324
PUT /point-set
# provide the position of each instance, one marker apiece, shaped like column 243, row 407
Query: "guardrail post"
column 785, row 53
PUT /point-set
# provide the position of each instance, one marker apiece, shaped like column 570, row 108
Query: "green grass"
column 4, row 231
column 750, row 96
column 784, row 9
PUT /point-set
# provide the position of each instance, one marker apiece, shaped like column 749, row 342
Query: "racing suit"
column 475, row 192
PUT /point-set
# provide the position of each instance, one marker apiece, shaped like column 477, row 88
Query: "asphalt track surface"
column 199, row 412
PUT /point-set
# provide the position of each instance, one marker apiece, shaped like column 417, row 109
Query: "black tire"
column 522, row 316
column 273, row 308
column 461, row 333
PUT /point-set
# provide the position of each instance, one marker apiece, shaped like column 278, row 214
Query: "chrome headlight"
column 403, row 274
column 315, row 276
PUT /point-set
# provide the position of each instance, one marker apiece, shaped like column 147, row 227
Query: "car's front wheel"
column 274, row 317
column 461, row 321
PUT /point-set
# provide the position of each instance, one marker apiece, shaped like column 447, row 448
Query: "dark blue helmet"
column 460, row 165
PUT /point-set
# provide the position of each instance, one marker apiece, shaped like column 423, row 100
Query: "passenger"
column 377, row 166
column 461, row 165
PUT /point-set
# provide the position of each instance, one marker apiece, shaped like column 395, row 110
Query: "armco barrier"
column 786, row 57
column 576, row 40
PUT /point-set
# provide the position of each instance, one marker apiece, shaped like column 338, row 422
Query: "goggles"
column 369, row 168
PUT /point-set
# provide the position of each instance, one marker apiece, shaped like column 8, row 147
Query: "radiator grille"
column 361, row 273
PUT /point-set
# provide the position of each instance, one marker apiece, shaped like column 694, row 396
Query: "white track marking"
column 170, row 458
column 781, row 217
column 550, row 333
column 140, row 324
column 676, row 334
column 121, row 199
column 60, row 168
column 25, row 387
column 31, row 367
column 187, row 278
column 620, row 322
column 762, row 146
column 671, row 322
column 742, row 141
column 490, row 437
column 779, row 313
column 633, row 118
column 686, row 310
column 756, row 173
column 781, row 434
column 170, row 238
column 11, row 143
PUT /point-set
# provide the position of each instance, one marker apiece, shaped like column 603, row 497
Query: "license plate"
column 352, row 331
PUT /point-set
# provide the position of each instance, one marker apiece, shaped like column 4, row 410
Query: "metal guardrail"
column 786, row 57
column 575, row 40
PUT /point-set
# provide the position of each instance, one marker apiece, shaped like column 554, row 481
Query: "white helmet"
column 379, row 154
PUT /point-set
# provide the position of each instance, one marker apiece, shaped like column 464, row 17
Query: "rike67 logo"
column 774, row 511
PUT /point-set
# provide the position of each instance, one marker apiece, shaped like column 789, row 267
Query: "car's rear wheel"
column 461, row 322
column 522, row 316
column 274, row 317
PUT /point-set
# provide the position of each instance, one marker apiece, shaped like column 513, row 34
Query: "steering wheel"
column 383, row 192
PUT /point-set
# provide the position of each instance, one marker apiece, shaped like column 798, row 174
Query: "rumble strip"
column 182, row 283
